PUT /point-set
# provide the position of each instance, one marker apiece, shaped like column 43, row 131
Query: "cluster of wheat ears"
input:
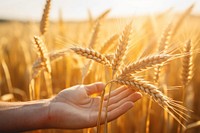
column 113, row 55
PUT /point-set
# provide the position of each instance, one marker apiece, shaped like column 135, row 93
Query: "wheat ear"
column 103, row 15
column 186, row 71
column 181, row 19
column 90, row 18
column 165, row 38
column 43, row 55
column 122, row 48
column 144, row 63
column 44, row 21
column 187, row 64
column 109, row 43
column 172, row 107
column 94, row 36
column 38, row 65
column 91, row 54
column 162, row 46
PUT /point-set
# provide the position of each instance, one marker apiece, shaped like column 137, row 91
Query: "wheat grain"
column 109, row 57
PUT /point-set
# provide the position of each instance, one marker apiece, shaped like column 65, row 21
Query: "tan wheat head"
column 45, row 18
column 44, row 58
column 91, row 54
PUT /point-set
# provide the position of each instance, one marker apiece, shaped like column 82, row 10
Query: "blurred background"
column 168, row 24
column 77, row 9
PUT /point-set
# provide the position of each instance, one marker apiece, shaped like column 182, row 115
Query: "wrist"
column 36, row 114
column 44, row 117
column 23, row 116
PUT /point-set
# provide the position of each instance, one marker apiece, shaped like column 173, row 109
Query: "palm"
column 74, row 105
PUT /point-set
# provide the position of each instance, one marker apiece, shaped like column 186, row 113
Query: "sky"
column 78, row 9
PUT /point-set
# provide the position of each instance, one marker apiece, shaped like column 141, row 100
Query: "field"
column 173, row 36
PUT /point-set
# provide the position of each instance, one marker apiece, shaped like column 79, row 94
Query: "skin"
column 72, row 108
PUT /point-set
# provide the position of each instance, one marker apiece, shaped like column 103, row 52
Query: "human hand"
column 73, row 108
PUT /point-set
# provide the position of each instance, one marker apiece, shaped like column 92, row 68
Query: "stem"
column 179, row 130
column 106, row 117
column 48, row 81
column 100, row 110
column 106, row 114
column 148, row 116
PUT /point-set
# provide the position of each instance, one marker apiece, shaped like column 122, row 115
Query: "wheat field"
column 155, row 55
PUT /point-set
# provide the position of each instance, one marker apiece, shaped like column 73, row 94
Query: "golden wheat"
column 165, row 102
column 109, row 43
column 162, row 47
column 44, row 21
column 91, row 54
column 187, row 64
column 144, row 63
column 94, row 36
column 43, row 55
column 122, row 47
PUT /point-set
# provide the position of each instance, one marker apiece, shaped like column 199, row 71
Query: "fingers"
column 120, row 110
column 123, row 94
column 94, row 88
column 113, row 114
column 116, row 91
column 130, row 98
column 122, row 99
column 121, row 103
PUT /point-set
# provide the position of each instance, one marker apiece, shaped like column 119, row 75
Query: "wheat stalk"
column 121, row 49
column 91, row 54
column 117, row 61
column 54, row 55
column 165, row 38
column 162, row 46
column 39, row 64
column 181, row 19
column 90, row 18
column 171, row 106
column 144, row 63
column 43, row 55
column 102, row 15
column 44, row 64
column 94, row 36
column 61, row 24
column 187, row 64
column 109, row 43
column 186, row 71
column 44, row 21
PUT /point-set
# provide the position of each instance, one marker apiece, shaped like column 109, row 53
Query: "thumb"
column 94, row 88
